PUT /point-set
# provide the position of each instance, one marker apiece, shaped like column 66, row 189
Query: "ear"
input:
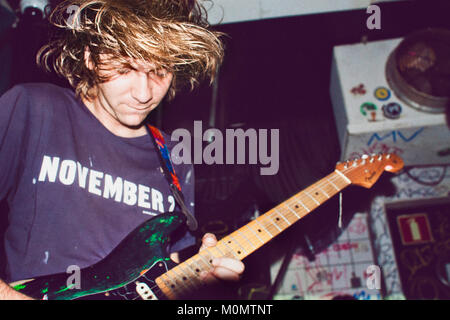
column 87, row 59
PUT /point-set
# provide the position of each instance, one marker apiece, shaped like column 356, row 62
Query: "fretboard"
column 244, row 241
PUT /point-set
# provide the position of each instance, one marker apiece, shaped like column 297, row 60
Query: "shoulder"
column 37, row 100
column 41, row 92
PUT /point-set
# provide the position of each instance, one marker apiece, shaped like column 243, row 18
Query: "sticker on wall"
column 370, row 111
column 392, row 110
column 359, row 90
column 414, row 228
column 382, row 93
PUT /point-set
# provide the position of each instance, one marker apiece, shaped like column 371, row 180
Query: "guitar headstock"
column 366, row 170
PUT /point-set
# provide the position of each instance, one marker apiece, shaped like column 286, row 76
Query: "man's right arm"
column 8, row 293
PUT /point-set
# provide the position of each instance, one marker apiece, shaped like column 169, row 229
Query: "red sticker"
column 414, row 228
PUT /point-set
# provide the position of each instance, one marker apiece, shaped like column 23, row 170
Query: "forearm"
column 8, row 293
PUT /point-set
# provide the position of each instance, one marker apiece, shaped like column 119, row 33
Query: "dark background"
column 276, row 75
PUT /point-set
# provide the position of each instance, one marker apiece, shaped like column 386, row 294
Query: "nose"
column 142, row 89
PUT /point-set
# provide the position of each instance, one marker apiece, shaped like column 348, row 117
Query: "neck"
column 112, row 125
column 252, row 236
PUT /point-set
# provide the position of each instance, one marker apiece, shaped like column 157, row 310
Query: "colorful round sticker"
column 392, row 110
column 367, row 107
column 382, row 93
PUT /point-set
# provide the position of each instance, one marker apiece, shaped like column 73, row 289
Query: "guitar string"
column 323, row 182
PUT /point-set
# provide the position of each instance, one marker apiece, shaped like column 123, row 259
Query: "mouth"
column 140, row 109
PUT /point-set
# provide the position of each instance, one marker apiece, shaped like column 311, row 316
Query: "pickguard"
column 143, row 288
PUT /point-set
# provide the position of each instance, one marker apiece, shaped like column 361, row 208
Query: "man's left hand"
column 224, row 268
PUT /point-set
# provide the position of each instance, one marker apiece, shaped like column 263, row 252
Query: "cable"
column 431, row 184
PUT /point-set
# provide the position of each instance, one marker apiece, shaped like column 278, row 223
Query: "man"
column 80, row 170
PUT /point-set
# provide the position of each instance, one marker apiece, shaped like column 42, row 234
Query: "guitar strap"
column 169, row 173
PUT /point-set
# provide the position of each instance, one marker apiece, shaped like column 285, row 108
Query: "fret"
column 199, row 263
column 173, row 283
column 166, row 282
column 191, row 270
column 343, row 176
column 166, row 285
column 233, row 240
column 167, row 291
column 177, row 277
column 209, row 255
column 195, row 270
column 331, row 190
column 332, row 183
column 221, row 254
column 292, row 210
column 169, row 285
column 206, row 261
column 231, row 250
column 317, row 202
column 247, row 239
column 323, row 191
column 228, row 251
column 264, row 235
column 185, row 277
column 271, row 235
column 303, row 205
column 280, row 214
column 273, row 223
column 251, row 229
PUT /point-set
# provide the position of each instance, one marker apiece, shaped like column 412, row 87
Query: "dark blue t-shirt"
column 74, row 189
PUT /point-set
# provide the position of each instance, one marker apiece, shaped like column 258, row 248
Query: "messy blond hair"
column 171, row 34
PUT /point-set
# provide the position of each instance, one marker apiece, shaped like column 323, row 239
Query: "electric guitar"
column 139, row 267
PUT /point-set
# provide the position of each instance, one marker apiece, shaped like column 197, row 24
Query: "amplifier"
column 370, row 118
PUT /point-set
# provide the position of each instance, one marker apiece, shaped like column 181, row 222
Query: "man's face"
column 123, row 102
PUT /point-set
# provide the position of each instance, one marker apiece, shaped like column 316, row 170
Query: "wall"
column 230, row 11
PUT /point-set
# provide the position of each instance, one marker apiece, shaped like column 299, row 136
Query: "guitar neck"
column 253, row 235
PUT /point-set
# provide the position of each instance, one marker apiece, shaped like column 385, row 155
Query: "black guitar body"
column 128, row 272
